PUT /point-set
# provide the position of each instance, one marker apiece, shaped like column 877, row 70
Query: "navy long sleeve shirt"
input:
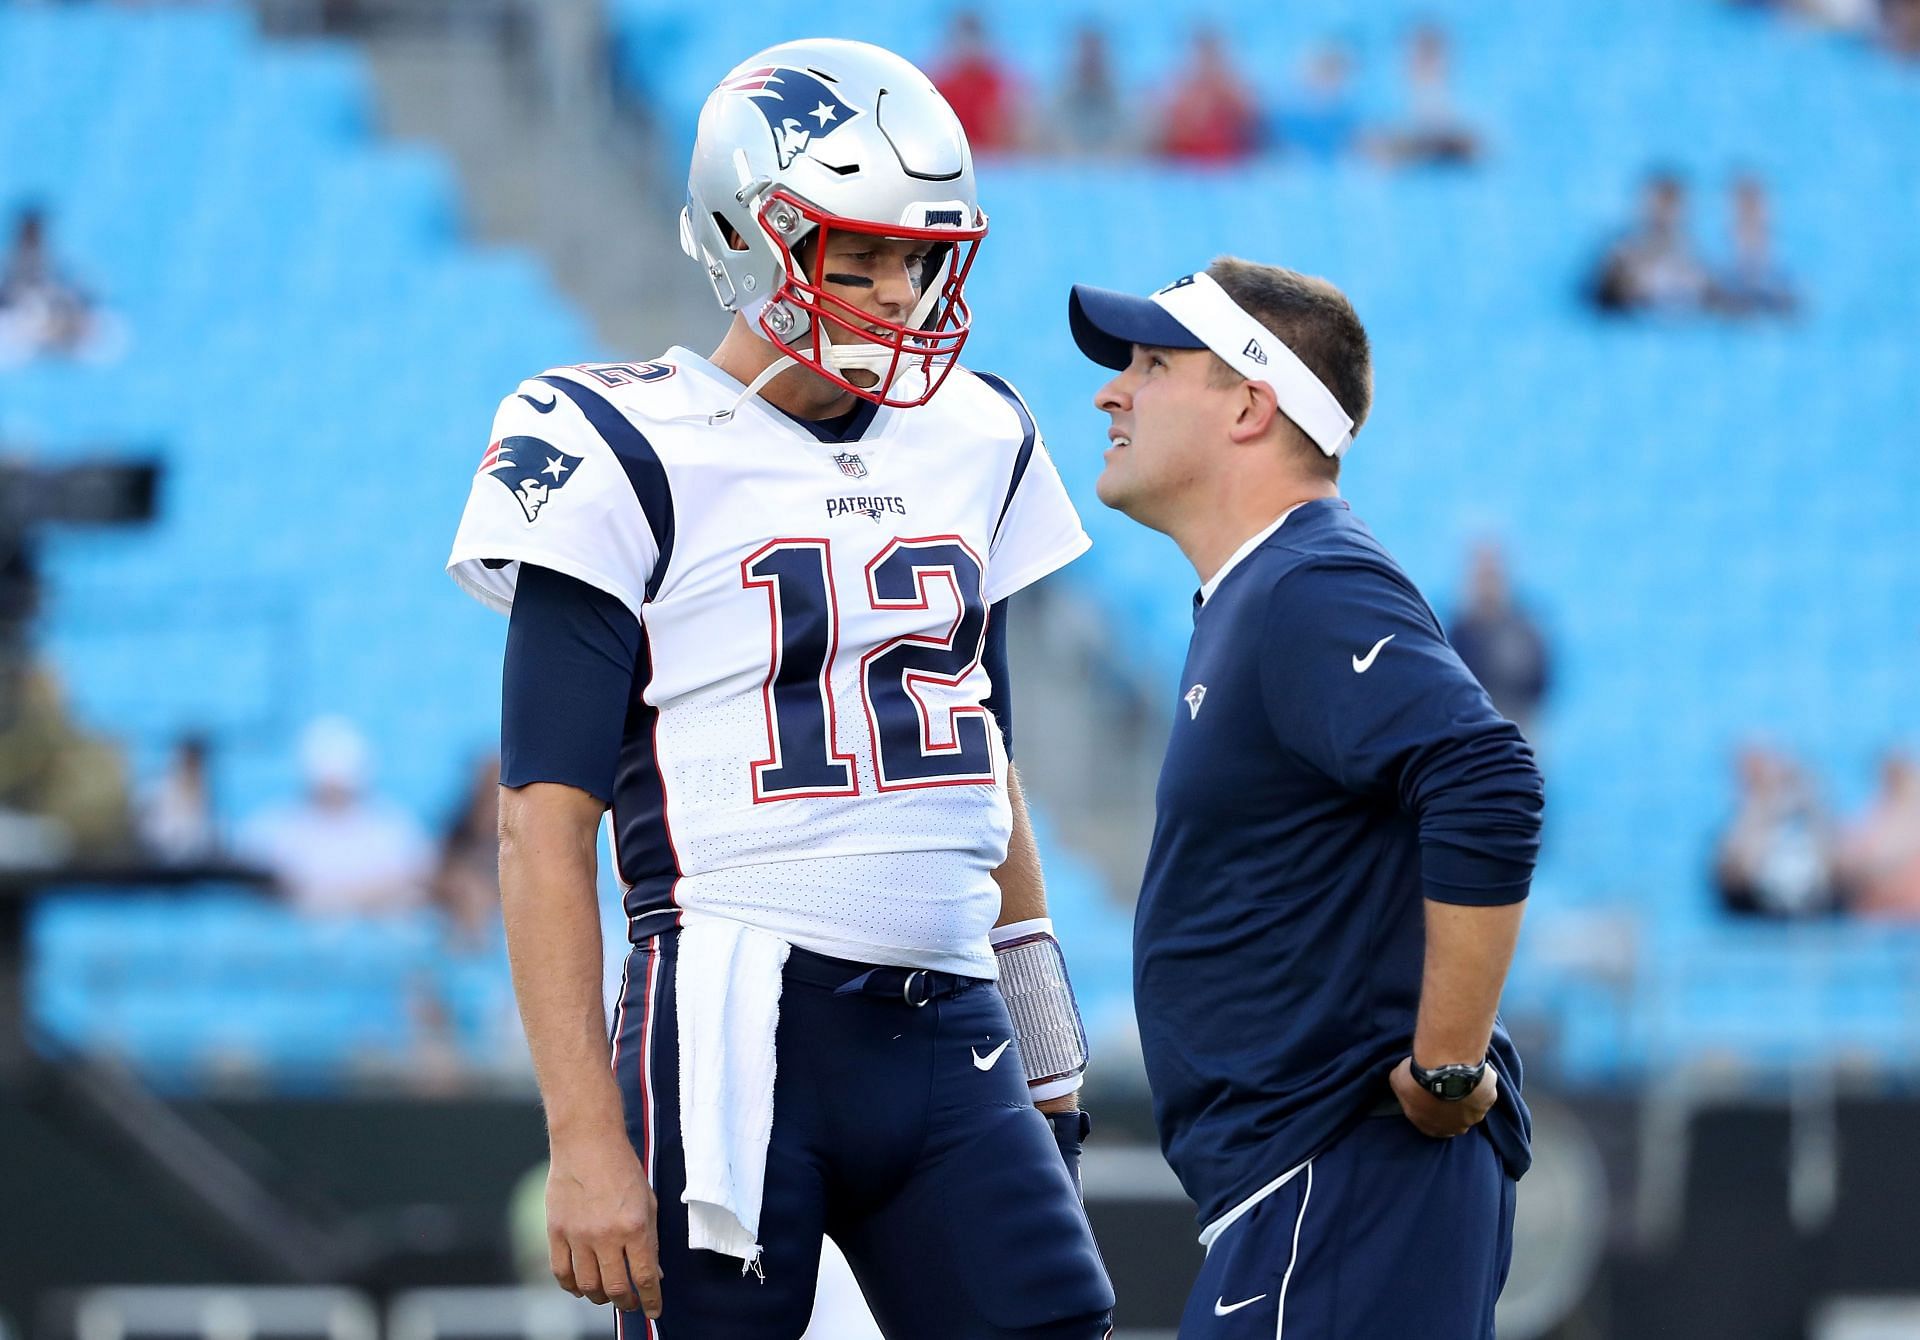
column 1332, row 765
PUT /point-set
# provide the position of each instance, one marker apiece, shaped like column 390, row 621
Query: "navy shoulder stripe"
column 642, row 464
column 1029, row 432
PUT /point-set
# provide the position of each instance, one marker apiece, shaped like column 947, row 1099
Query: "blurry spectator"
column 336, row 851
column 42, row 311
column 176, row 816
column 1501, row 645
column 63, row 792
column 1753, row 284
column 1895, row 23
column 467, row 884
column 463, row 1011
column 1088, row 117
column 1851, row 15
column 1900, row 27
column 1655, row 267
column 1211, row 116
column 1322, row 119
column 1879, row 862
column 979, row 86
column 1435, row 132
column 1774, row 857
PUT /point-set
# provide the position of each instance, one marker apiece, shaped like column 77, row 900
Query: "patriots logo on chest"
column 870, row 506
column 800, row 108
column 531, row 470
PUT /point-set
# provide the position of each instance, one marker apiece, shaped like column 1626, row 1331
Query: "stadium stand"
column 316, row 356
column 1718, row 521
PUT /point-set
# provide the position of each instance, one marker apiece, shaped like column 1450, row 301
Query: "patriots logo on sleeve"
column 799, row 107
column 531, row 470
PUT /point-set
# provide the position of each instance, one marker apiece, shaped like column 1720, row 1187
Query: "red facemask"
column 920, row 352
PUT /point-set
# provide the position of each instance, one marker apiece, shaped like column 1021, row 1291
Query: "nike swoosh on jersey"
column 544, row 409
column 1221, row 1307
column 1363, row 664
column 987, row 1062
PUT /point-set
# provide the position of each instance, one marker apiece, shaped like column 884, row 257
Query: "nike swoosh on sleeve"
column 1363, row 664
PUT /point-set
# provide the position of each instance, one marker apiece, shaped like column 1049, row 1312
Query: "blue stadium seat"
column 1716, row 521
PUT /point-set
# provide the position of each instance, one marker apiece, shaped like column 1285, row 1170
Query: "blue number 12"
column 803, row 758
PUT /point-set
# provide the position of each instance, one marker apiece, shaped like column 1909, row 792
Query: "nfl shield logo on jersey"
column 529, row 469
column 851, row 465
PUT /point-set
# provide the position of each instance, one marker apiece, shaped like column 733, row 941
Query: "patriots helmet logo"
column 531, row 470
column 799, row 107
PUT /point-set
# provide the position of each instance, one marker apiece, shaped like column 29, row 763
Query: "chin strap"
column 779, row 365
column 842, row 358
column 877, row 359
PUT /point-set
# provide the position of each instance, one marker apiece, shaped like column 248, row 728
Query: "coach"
column 1345, row 835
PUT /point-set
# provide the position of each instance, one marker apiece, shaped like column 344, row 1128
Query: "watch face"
column 1451, row 1083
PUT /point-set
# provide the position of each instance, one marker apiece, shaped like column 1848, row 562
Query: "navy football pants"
column 938, row 1179
column 1385, row 1234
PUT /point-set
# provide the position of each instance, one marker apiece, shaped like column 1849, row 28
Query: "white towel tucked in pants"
column 727, row 989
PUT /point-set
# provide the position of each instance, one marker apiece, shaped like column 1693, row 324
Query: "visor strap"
column 1207, row 311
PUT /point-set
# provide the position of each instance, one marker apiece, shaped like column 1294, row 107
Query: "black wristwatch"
column 1448, row 1083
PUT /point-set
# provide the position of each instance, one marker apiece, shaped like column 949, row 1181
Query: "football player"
column 758, row 613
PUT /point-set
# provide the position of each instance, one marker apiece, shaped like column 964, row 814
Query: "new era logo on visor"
column 1181, row 282
column 1255, row 352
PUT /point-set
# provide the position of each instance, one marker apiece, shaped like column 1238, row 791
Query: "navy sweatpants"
column 1383, row 1235
column 934, row 1173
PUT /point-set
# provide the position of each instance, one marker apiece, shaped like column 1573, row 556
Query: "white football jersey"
column 807, row 751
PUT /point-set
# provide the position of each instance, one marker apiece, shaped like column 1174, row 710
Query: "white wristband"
column 1014, row 930
column 1056, row 1088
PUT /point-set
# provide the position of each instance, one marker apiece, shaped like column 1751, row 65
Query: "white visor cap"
column 1194, row 312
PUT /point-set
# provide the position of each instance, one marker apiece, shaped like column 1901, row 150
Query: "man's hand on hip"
column 1435, row 1116
column 601, row 1228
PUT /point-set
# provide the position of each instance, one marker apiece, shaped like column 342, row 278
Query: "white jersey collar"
column 1212, row 584
column 868, row 437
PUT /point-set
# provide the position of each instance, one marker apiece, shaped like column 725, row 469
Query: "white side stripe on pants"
column 1293, row 1257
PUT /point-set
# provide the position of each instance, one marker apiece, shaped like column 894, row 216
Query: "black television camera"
column 33, row 497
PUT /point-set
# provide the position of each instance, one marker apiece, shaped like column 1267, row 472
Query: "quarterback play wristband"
column 1039, row 996
column 1199, row 304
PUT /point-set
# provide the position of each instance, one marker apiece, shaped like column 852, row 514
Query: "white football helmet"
column 820, row 135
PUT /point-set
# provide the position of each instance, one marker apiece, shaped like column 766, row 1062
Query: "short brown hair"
column 1315, row 320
